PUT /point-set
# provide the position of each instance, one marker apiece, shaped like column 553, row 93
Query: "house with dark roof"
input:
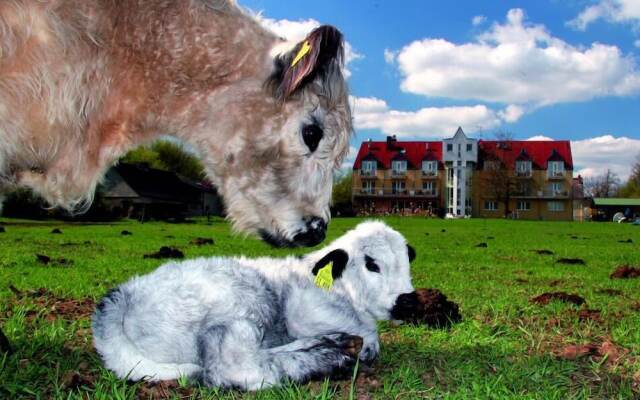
column 138, row 191
column 462, row 176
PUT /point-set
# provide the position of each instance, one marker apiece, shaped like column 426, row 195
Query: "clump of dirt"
column 166, row 252
column 202, row 241
column 571, row 261
column 434, row 309
column 574, row 237
column 548, row 297
column 607, row 351
column 587, row 314
column 555, row 282
column 2, row 230
column 58, row 262
column 625, row 272
column 482, row 245
column 164, row 390
column 610, row 292
column 625, row 241
column 544, row 252
column 169, row 237
column 490, row 238
column 635, row 306
column 520, row 280
column 443, row 231
column 52, row 306
column 426, row 233
column 126, row 233
column 56, row 231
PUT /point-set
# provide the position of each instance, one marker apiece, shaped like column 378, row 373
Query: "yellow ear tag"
column 304, row 50
column 324, row 279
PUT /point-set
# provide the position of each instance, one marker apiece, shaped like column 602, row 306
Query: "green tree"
column 342, row 190
column 168, row 156
column 632, row 187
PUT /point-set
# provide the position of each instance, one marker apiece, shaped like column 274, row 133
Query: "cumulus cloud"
column 594, row 156
column 296, row 31
column 637, row 43
column 428, row 122
column 540, row 138
column 478, row 20
column 350, row 158
column 516, row 63
column 614, row 11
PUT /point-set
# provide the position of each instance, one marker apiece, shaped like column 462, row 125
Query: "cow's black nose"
column 315, row 233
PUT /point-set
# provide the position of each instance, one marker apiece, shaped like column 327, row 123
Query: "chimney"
column 391, row 142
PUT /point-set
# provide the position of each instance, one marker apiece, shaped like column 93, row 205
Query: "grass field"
column 506, row 346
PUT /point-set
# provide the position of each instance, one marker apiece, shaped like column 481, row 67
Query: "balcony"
column 541, row 194
column 523, row 174
column 395, row 192
column 396, row 173
column 555, row 174
column 368, row 173
column 429, row 174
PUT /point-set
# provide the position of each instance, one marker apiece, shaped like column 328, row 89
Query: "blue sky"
column 548, row 68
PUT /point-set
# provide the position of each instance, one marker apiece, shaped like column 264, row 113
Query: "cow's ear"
column 412, row 253
column 337, row 258
column 323, row 46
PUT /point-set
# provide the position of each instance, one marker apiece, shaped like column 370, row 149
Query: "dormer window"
column 449, row 146
column 369, row 167
column 555, row 169
column 523, row 168
column 430, row 168
column 399, row 167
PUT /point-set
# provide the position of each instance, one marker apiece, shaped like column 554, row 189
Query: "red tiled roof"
column 539, row 152
column 414, row 152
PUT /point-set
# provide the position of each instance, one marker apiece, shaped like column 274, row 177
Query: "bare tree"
column 499, row 182
column 605, row 185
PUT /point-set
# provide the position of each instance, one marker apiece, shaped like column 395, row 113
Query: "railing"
column 555, row 174
column 367, row 172
column 398, row 173
column 543, row 194
column 429, row 173
column 523, row 174
column 395, row 192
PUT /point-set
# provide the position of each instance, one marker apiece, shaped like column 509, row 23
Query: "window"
column 556, row 206
column 429, row 188
column 429, row 167
column 398, row 167
column 469, row 147
column 369, row 186
column 556, row 188
column 398, row 187
column 523, row 168
column 524, row 205
column 491, row 205
column 555, row 168
column 449, row 146
column 368, row 168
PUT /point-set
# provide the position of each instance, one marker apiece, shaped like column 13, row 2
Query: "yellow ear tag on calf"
column 324, row 279
column 304, row 50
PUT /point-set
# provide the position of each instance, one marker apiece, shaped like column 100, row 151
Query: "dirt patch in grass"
column 52, row 306
column 606, row 351
column 126, row 233
column 2, row 230
column 610, row 292
column 434, row 309
column 625, row 272
column 202, row 241
column 482, row 245
column 58, row 262
column 589, row 315
column 520, row 280
column 543, row 252
column 5, row 347
column 166, row 252
column 625, row 241
column 164, row 390
column 555, row 282
column 564, row 297
column 571, row 261
column 56, row 231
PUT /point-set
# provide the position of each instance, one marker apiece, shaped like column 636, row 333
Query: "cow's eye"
column 312, row 135
column 371, row 265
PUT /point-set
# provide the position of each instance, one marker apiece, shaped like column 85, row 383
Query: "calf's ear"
column 412, row 253
column 339, row 259
column 322, row 47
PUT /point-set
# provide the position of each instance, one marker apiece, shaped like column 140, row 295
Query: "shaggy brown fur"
column 83, row 81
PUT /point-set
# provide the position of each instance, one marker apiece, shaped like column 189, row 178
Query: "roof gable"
column 413, row 152
column 538, row 152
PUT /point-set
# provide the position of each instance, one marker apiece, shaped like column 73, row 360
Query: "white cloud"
column 350, row 158
column 478, row 20
column 295, row 31
column 428, row 122
column 637, row 43
column 516, row 63
column 512, row 113
column 615, row 11
column 390, row 56
column 540, row 138
column 595, row 155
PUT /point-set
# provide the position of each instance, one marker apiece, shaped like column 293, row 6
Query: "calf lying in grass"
column 252, row 323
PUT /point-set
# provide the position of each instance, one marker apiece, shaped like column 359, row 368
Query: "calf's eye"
column 371, row 265
column 312, row 135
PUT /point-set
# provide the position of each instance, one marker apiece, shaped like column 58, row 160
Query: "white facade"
column 460, row 155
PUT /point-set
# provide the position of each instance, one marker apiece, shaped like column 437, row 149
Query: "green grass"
column 506, row 347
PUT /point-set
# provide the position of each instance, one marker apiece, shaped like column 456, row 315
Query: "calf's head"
column 276, row 173
column 370, row 264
